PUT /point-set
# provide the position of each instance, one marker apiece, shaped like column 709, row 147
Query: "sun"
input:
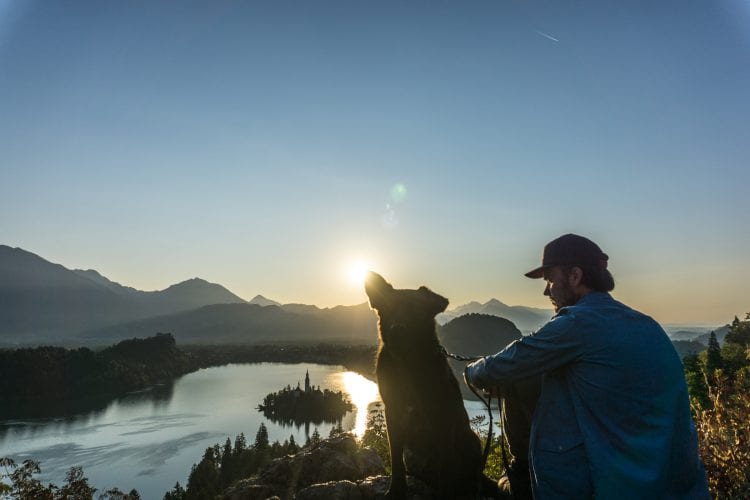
column 357, row 271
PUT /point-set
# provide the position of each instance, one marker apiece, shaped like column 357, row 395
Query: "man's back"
column 614, row 400
column 628, row 397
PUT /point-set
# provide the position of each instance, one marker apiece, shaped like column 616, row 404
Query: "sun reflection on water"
column 362, row 393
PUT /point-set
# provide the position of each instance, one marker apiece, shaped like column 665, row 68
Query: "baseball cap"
column 570, row 250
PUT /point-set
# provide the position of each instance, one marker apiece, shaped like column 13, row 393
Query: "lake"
column 149, row 440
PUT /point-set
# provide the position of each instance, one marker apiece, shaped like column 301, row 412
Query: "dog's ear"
column 435, row 303
column 377, row 290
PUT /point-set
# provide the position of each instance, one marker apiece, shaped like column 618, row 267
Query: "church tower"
column 307, row 381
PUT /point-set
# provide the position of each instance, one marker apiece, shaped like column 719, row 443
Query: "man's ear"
column 436, row 303
column 575, row 276
column 377, row 290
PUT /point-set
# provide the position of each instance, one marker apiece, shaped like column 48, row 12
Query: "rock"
column 335, row 490
column 327, row 463
column 245, row 489
column 371, row 488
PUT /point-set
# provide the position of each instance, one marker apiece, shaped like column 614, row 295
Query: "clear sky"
column 267, row 146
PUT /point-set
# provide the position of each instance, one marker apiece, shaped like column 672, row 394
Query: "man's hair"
column 599, row 279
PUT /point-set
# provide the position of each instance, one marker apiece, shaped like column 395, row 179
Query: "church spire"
column 307, row 381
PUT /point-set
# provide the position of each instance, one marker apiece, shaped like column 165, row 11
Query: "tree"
column 739, row 332
column 203, row 482
column 76, row 485
column 261, row 437
column 116, row 494
column 23, row 484
column 292, row 447
column 315, row 438
column 177, row 493
column 696, row 381
column 336, row 430
column 226, row 470
column 376, row 435
column 239, row 444
column 713, row 356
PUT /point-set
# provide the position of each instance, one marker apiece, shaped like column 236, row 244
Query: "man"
column 613, row 417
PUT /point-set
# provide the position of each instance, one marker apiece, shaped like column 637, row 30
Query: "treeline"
column 46, row 381
column 295, row 406
column 360, row 359
column 221, row 466
column 54, row 381
column 719, row 384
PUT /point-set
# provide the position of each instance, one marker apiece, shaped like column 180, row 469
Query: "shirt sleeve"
column 552, row 346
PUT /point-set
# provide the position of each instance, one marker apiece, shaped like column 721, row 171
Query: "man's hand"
column 473, row 374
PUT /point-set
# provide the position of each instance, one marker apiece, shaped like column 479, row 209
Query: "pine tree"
column 177, row 493
column 261, row 437
column 713, row 357
column 239, row 444
column 226, row 470
column 292, row 447
column 315, row 438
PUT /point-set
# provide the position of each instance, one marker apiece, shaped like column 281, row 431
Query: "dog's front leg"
column 396, row 438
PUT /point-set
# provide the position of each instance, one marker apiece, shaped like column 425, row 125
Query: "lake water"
column 150, row 440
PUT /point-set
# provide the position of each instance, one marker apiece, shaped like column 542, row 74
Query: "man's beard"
column 563, row 297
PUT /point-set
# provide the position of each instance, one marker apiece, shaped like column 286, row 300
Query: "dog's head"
column 403, row 309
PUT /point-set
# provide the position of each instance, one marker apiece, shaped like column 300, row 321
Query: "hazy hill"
column 250, row 324
column 526, row 319
column 685, row 347
column 720, row 332
column 40, row 300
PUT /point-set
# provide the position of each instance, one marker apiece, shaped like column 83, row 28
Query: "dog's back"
column 428, row 428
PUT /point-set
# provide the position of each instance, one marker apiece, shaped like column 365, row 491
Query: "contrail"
column 545, row 35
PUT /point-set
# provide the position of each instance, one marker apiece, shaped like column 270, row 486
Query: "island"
column 304, row 406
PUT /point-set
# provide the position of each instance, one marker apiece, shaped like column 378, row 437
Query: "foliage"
column 221, row 466
column 18, row 482
column 724, row 438
column 739, row 332
column 376, row 435
column 719, row 385
column 495, row 466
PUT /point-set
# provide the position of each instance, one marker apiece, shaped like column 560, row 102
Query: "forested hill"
column 475, row 335
column 58, row 381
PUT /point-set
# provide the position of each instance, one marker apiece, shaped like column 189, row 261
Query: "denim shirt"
column 613, row 383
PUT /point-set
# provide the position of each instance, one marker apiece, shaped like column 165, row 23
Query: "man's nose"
column 546, row 290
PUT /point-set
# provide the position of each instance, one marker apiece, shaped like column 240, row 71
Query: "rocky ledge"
column 333, row 469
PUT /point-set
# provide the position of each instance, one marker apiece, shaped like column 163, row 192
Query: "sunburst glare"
column 357, row 271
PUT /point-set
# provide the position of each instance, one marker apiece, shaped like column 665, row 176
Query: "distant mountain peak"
column 263, row 301
column 495, row 302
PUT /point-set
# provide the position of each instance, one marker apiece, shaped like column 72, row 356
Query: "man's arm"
column 552, row 346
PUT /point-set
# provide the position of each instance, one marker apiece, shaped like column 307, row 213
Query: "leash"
column 487, row 404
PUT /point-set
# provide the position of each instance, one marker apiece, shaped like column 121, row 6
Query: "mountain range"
column 43, row 302
column 527, row 319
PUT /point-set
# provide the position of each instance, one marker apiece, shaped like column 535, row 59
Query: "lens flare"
column 398, row 193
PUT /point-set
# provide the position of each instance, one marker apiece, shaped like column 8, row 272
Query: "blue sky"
column 258, row 144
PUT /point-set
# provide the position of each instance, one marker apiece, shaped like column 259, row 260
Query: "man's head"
column 573, row 266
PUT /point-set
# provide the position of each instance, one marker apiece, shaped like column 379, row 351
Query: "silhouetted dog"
column 428, row 428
